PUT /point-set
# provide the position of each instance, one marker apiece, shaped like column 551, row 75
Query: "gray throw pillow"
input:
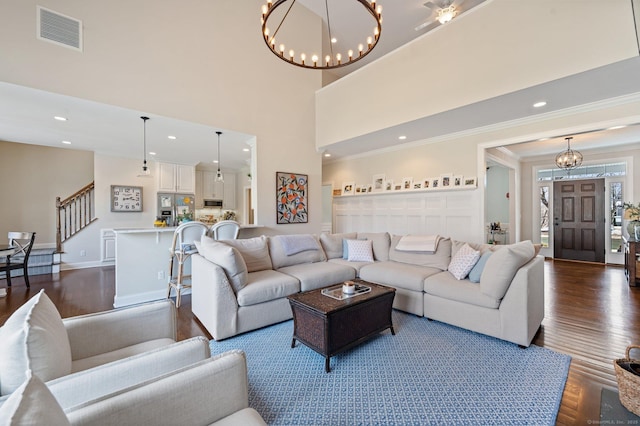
column 502, row 266
column 254, row 251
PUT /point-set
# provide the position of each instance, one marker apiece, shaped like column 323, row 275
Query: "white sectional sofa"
column 242, row 285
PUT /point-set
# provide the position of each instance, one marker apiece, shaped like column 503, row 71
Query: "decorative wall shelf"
column 408, row 191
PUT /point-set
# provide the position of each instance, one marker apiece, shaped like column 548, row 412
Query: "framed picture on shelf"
column 417, row 185
column 337, row 192
column 426, row 183
column 407, row 183
column 397, row 187
column 348, row 188
column 369, row 188
column 446, row 180
column 291, row 197
column 388, row 185
column 457, row 181
column 470, row 181
column 435, row 183
column 378, row 183
column 358, row 189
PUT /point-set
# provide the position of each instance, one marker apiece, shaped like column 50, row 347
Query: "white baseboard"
column 67, row 266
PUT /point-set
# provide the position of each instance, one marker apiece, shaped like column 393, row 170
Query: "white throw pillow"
column 463, row 261
column 229, row 259
column 32, row 404
column 33, row 338
column 360, row 250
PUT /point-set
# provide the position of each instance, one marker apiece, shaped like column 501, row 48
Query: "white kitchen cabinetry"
column 229, row 200
column 176, row 178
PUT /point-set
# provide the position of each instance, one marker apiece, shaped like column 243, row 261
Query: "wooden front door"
column 578, row 213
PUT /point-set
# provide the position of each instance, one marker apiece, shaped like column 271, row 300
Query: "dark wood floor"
column 590, row 313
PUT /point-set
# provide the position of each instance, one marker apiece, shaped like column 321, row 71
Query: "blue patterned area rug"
column 428, row 373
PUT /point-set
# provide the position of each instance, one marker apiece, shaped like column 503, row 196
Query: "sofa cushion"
column 228, row 258
column 317, row 275
column 418, row 243
column 482, row 248
column 399, row 275
column 502, row 266
column 440, row 259
column 267, row 285
column 360, row 250
column 381, row 242
column 33, row 338
column 355, row 265
column 294, row 244
column 279, row 258
column 332, row 244
column 449, row 287
column 463, row 261
column 476, row 271
column 254, row 251
column 32, row 404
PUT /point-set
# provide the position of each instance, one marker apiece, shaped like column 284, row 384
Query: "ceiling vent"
column 59, row 29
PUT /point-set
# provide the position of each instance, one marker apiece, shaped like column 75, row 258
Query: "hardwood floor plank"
column 591, row 314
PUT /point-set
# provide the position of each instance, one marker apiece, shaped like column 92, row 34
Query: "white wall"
column 499, row 47
column 196, row 60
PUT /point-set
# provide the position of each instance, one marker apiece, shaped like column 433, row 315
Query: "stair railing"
column 74, row 213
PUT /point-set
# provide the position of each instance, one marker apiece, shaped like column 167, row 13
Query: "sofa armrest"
column 102, row 332
column 213, row 301
column 522, row 308
column 199, row 394
column 106, row 379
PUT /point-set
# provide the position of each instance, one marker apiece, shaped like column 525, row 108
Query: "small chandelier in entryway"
column 569, row 159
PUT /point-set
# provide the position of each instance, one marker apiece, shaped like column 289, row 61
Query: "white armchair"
column 35, row 337
column 212, row 391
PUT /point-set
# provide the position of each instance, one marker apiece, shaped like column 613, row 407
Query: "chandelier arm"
column 283, row 18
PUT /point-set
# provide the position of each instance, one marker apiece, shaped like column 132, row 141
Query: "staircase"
column 74, row 213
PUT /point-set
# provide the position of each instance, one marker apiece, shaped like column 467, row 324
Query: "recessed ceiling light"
column 152, row 153
column 326, row 154
column 172, row 137
column 539, row 104
column 215, row 161
column 57, row 117
column 245, row 149
column 403, row 137
column 334, row 40
column 616, row 127
column 66, row 142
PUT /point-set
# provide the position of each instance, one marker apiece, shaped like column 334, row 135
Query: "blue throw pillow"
column 476, row 271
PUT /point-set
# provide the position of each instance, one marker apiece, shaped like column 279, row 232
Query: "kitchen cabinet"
column 176, row 178
column 212, row 190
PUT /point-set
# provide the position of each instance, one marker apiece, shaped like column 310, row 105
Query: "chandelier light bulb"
column 327, row 59
column 266, row 32
column 303, row 57
column 265, row 9
column 291, row 53
column 281, row 49
column 350, row 53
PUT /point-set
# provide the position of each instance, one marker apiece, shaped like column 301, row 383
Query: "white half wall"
column 449, row 213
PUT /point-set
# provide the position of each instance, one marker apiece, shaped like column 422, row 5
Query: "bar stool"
column 225, row 230
column 181, row 249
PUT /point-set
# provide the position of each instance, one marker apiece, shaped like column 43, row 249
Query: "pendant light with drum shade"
column 219, row 177
column 145, row 170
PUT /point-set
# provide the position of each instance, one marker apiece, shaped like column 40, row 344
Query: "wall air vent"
column 59, row 29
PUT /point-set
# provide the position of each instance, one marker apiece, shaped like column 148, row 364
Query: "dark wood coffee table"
column 329, row 326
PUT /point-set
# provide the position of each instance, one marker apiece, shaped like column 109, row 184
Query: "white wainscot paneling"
column 454, row 213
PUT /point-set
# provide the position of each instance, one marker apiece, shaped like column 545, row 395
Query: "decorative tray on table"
column 336, row 292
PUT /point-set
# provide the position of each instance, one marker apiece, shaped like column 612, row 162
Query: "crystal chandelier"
column 569, row 159
column 315, row 60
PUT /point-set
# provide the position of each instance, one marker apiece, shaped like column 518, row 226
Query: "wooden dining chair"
column 23, row 242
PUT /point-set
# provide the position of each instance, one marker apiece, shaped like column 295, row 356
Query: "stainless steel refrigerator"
column 173, row 207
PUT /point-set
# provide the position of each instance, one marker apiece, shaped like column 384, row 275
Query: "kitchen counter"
column 144, row 230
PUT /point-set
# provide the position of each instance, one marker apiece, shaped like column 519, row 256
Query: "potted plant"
column 632, row 214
